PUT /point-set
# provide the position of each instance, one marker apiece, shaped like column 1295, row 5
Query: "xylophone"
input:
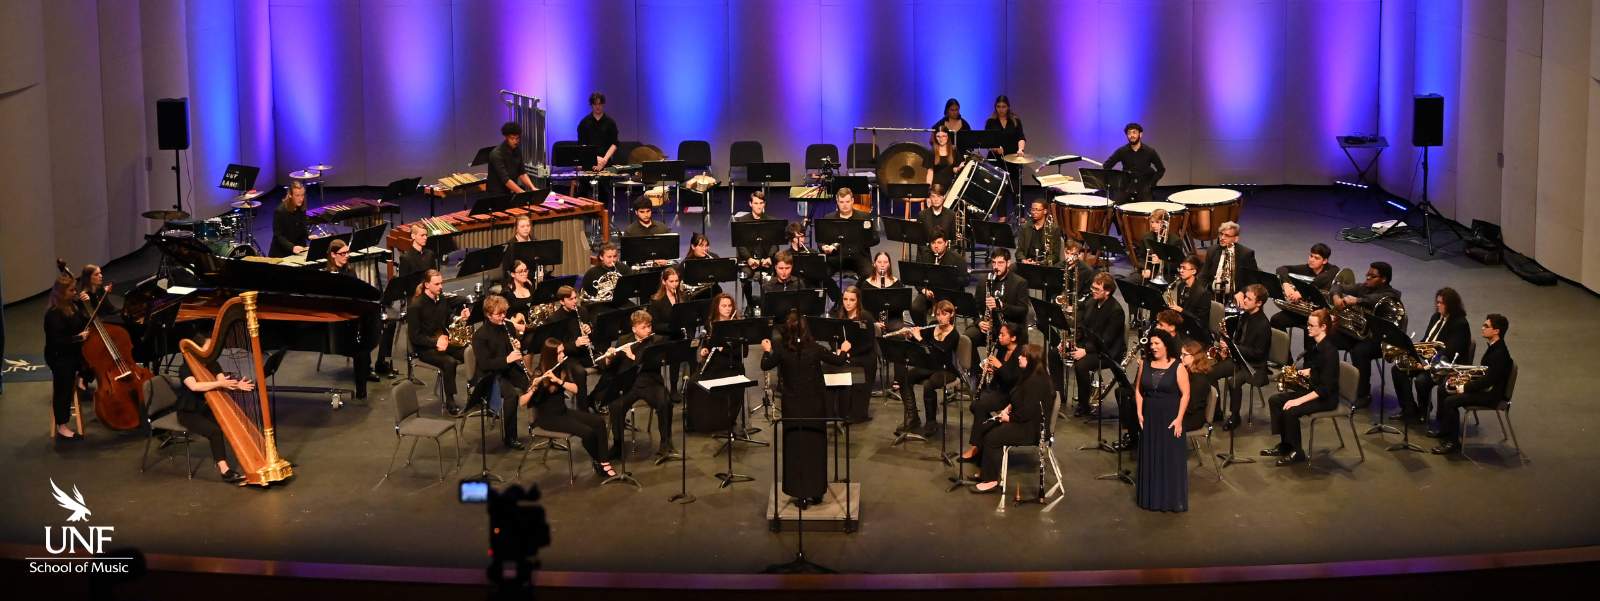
column 458, row 183
column 559, row 217
column 356, row 213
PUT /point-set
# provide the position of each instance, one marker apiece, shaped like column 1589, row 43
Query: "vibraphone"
column 458, row 183
column 559, row 217
column 356, row 213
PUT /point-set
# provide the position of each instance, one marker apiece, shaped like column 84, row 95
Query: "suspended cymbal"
column 1018, row 158
column 245, row 204
column 165, row 214
column 305, row 174
column 320, row 168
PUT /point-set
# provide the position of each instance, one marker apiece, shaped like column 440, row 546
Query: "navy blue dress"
column 1163, row 479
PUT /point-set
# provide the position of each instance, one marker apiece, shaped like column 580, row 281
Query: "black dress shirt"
column 1498, row 360
column 505, row 164
column 426, row 318
column 1011, row 133
column 656, row 228
column 1143, row 166
column 288, row 231
column 1013, row 298
column 1105, row 328
column 599, row 133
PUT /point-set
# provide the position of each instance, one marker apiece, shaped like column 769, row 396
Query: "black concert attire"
column 1244, row 262
column 367, row 335
column 942, row 220
column 715, row 411
column 1011, row 135
column 995, row 397
column 506, row 260
column 1163, row 479
column 944, row 169
column 1027, row 400
column 921, row 305
column 1412, row 388
column 1104, row 336
column 1143, row 167
column 1166, row 270
column 1487, row 391
column 1040, row 243
column 505, row 165
column 490, row 345
column 805, row 452
column 1195, row 301
column 1253, row 337
column 1363, row 352
column 63, row 353
column 288, row 230
column 1013, row 304
column 646, row 386
column 601, row 134
column 857, row 259
column 1194, row 417
column 745, row 253
column 517, row 305
column 426, row 320
column 942, row 355
column 1323, row 280
column 591, row 278
column 411, row 261
column 853, row 403
column 107, row 307
column 195, row 414
column 939, row 126
column 1323, row 359
column 656, row 228
column 550, row 412
column 714, row 289
column 891, row 322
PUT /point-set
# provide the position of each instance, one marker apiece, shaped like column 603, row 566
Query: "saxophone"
column 1222, row 285
column 1052, row 240
column 605, row 288
column 1170, row 295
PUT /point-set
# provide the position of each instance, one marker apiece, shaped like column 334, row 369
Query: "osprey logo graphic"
column 74, row 503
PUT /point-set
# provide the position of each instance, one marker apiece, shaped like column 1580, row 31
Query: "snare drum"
column 1133, row 219
column 1208, row 209
column 1078, row 213
column 232, row 221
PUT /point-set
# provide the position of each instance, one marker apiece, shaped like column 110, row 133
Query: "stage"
column 339, row 508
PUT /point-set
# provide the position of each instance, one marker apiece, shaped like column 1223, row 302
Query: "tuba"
column 605, row 288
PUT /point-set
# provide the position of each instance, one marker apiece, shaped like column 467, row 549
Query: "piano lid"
column 241, row 275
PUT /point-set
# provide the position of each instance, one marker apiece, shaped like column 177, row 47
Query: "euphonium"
column 538, row 315
column 1455, row 377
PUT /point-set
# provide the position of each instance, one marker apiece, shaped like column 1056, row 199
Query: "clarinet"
column 517, row 346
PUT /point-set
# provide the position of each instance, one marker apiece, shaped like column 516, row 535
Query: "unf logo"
column 72, row 539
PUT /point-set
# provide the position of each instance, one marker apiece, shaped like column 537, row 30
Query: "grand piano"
column 302, row 309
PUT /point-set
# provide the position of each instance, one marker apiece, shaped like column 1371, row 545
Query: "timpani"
column 1208, row 208
column 1133, row 220
column 1078, row 213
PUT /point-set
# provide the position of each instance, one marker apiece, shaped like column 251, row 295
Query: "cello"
column 119, row 380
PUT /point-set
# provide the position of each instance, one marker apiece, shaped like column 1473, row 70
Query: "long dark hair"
column 1453, row 306
column 1035, row 356
column 795, row 333
column 547, row 355
column 1167, row 344
column 1011, row 115
column 716, row 302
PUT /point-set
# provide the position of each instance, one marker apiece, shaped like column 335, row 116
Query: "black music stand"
column 640, row 286
column 887, row 301
column 778, row 303
column 811, row 267
column 936, row 277
column 546, row 290
column 903, row 191
column 903, row 352
column 581, row 156
column 1392, row 334
column 317, row 248
column 966, row 304
column 848, row 235
column 1043, row 278
column 1170, row 254
column 368, row 237
column 687, row 317
column 706, row 271
column 609, row 325
column 400, row 188
column 1255, row 276
column 1103, row 246
column 857, row 184
column 536, row 252
column 729, row 477
column 490, row 202
column 481, row 261
column 1308, row 291
column 764, row 233
column 748, row 332
column 904, row 231
column 1104, row 180
column 481, row 157
column 641, row 249
column 662, row 172
column 239, row 178
column 991, row 234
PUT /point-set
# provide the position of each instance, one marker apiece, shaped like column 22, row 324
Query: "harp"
column 248, row 429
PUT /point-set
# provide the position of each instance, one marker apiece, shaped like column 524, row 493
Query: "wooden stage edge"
column 839, row 582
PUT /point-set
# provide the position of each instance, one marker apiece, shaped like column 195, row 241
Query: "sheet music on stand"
column 714, row 383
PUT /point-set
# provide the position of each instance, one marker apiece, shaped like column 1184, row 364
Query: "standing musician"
column 1140, row 162
column 289, row 234
column 1487, row 391
column 414, row 259
column 855, row 258
column 853, row 404
column 1017, row 423
column 1322, row 366
column 942, row 171
column 1254, row 337
column 952, row 122
column 554, row 379
column 339, row 263
column 608, row 263
column 523, row 233
column 1365, row 296
column 66, row 326
column 1012, row 301
column 1159, row 222
column 194, row 413
column 94, row 291
column 506, row 174
column 1102, row 335
column 936, row 217
column 941, row 347
column 598, row 130
column 1012, row 141
column 1448, row 324
column 1039, row 240
column 497, row 347
column 798, row 359
column 1244, row 259
column 646, row 385
column 1322, row 273
column 1004, row 370
column 427, row 324
column 754, row 259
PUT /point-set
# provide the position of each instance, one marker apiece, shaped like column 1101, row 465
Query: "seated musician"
column 1448, row 325
column 339, row 263
column 1198, row 363
column 699, row 250
column 1365, row 297
column 1194, row 299
column 1244, row 259
column 414, row 259
column 598, row 130
column 427, row 323
column 1171, row 322
column 854, row 258
column 1158, row 233
column 555, row 377
column 506, row 173
column 95, row 291
column 620, row 366
column 289, row 233
column 718, row 362
column 195, row 414
column 1004, row 291
column 644, row 223
column 1074, row 259
column 1015, row 423
column 1039, row 240
column 883, row 278
column 608, row 263
column 941, row 345
column 853, row 404
column 796, row 235
column 497, row 347
column 1102, row 339
column 523, row 232
column 783, row 276
column 940, row 253
column 936, row 217
column 753, row 259
column 574, row 333
column 1246, row 364
column 1487, row 391
column 1004, row 372
column 1322, row 367
column 1322, row 273
column 518, row 288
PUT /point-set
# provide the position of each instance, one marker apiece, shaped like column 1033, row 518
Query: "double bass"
column 119, row 380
